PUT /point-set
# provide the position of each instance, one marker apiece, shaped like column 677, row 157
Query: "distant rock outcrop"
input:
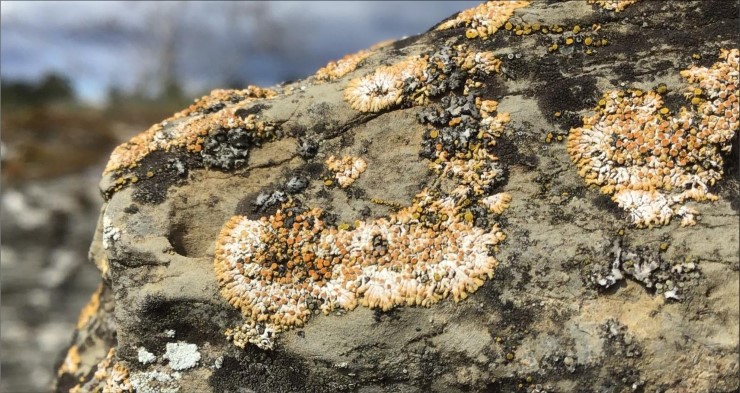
column 487, row 206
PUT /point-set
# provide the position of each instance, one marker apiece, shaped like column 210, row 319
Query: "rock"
column 418, row 217
column 46, row 277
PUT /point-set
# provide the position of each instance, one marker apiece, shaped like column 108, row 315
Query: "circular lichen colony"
column 653, row 162
column 346, row 169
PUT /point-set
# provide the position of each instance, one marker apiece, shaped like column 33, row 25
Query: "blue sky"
column 98, row 44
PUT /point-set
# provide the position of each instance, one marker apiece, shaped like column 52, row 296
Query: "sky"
column 135, row 45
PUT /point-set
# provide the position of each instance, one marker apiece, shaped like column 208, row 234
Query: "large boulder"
column 531, row 196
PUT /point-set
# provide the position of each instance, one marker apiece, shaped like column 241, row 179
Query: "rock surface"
column 460, row 131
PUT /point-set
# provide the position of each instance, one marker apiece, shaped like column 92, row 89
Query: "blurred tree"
column 52, row 88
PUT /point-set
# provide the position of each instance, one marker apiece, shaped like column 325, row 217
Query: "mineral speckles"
column 613, row 5
column 181, row 356
column 337, row 69
column 280, row 268
column 484, row 20
column 346, row 169
column 383, row 88
column 653, row 162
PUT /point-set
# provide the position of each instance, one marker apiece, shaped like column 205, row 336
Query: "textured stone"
column 474, row 113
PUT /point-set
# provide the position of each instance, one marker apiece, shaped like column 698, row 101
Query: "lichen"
column 346, row 169
column 484, row 20
column 613, row 5
column 414, row 80
column 90, row 309
column 181, row 356
column 652, row 162
column 145, row 356
column 384, row 88
column 337, row 69
column 110, row 377
column 71, row 362
column 278, row 269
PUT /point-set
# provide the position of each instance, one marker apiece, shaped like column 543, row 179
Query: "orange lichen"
column 110, row 377
column 613, row 5
column 484, row 20
column 481, row 61
column 497, row 203
column 337, row 69
column 476, row 173
column 90, row 309
column 383, row 88
column 346, row 169
column 277, row 269
column 651, row 161
column 188, row 128
column 71, row 362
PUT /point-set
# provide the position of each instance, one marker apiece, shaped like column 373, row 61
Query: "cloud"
column 126, row 43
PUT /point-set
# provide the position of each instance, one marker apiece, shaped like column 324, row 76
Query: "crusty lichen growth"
column 653, row 162
column 71, row 363
column 384, row 88
column 346, row 169
column 414, row 80
column 110, row 377
column 337, row 69
column 277, row 269
column 613, row 5
column 212, row 128
column 90, row 309
column 484, row 20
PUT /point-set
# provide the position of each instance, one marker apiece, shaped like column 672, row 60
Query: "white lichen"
column 146, row 357
column 111, row 234
column 182, row 356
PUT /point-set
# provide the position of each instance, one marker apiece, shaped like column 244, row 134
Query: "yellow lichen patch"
column 71, row 362
column 481, row 61
column 337, row 69
column 90, row 309
column 346, row 169
column 651, row 161
column 109, row 377
column 383, row 88
column 613, row 5
column 484, row 20
column 279, row 268
column 188, row 128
